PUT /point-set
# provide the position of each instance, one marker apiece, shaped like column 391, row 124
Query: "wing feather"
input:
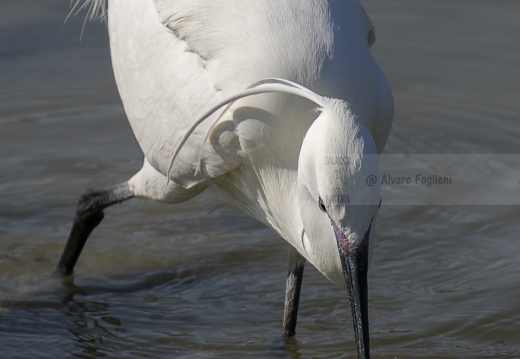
column 181, row 57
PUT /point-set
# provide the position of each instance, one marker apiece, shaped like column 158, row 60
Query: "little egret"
column 278, row 105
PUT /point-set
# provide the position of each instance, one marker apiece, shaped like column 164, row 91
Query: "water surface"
column 197, row 281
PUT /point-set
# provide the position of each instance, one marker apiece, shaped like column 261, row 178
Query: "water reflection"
column 284, row 348
column 92, row 327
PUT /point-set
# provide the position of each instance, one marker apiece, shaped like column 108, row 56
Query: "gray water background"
column 196, row 281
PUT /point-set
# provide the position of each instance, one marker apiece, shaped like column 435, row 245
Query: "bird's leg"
column 89, row 214
column 292, row 291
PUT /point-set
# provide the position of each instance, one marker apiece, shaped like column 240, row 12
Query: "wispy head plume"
column 96, row 10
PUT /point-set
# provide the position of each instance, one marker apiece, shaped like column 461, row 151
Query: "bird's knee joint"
column 90, row 205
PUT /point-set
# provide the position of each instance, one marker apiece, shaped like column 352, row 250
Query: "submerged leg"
column 292, row 291
column 89, row 214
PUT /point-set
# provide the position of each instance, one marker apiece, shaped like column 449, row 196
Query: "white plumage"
column 268, row 153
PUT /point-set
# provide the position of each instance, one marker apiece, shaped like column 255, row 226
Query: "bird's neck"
column 266, row 193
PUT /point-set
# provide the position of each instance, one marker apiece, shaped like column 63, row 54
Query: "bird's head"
column 339, row 197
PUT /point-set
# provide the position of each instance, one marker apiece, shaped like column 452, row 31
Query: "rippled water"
column 194, row 280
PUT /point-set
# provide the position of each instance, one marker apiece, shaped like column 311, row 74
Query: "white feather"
column 192, row 78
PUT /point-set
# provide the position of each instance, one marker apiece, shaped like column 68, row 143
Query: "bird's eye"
column 371, row 37
column 322, row 205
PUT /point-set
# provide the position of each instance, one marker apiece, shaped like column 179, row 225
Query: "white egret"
column 276, row 104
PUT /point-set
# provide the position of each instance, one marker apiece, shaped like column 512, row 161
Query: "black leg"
column 89, row 214
column 292, row 292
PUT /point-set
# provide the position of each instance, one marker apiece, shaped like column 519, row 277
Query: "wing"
column 173, row 59
column 164, row 85
column 240, row 42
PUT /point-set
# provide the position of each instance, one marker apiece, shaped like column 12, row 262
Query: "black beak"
column 355, row 269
